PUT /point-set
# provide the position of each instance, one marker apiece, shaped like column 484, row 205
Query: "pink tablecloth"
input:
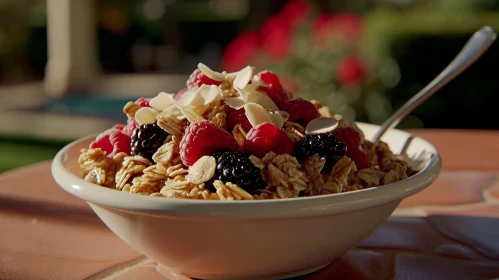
column 448, row 231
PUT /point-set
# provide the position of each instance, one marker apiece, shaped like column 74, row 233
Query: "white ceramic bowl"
column 248, row 239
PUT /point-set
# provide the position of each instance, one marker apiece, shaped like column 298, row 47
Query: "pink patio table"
column 448, row 231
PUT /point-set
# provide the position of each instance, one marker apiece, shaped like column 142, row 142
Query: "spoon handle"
column 474, row 48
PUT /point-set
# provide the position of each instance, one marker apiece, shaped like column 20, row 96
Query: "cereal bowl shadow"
column 254, row 239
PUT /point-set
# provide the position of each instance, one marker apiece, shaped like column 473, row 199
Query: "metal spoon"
column 474, row 48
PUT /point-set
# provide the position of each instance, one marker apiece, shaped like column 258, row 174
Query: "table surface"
column 450, row 230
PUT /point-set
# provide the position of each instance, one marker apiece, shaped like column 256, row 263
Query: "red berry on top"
column 130, row 127
column 197, row 79
column 203, row 138
column 102, row 142
column 238, row 117
column 301, row 111
column 274, row 90
column 143, row 102
column 267, row 137
column 351, row 138
column 120, row 142
column 348, row 136
column 111, row 142
column 359, row 157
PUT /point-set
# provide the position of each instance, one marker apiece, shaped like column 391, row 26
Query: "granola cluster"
column 264, row 152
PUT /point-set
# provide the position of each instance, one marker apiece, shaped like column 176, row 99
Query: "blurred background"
column 363, row 58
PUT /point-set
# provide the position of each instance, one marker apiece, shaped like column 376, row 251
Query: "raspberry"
column 120, row 142
column 130, row 127
column 180, row 93
column 351, row 138
column 238, row 117
column 360, row 158
column 347, row 135
column 275, row 90
column 197, row 79
column 102, row 142
column 203, row 138
column 301, row 111
column 142, row 102
column 112, row 141
column 119, row 127
column 267, row 137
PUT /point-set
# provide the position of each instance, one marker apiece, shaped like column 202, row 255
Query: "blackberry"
column 147, row 139
column 326, row 145
column 236, row 167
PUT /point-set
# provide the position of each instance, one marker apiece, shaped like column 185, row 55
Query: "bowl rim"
column 272, row 208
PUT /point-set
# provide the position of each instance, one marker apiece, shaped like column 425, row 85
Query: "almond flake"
column 202, row 171
column 235, row 102
column 190, row 114
column 256, row 114
column 145, row 115
column 210, row 73
column 161, row 101
column 262, row 99
column 277, row 119
column 243, row 77
column 195, row 99
column 242, row 93
column 209, row 93
column 321, row 125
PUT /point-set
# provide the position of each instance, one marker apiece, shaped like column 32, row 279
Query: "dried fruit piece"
column 203, row 138
column 265, row 138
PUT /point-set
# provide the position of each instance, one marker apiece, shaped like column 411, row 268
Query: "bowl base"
column 165, row 271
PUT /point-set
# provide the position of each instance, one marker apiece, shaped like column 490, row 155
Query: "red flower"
column 295, row 12
column 240, row 51
column 346, row 25
column 276, row 38
column 351, row 71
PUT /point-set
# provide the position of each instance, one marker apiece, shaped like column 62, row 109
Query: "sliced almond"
column 190, row 114
column 262, row 99
column 146, row 115
column 243, row 77
column 242, row 93
column 161, row 101
column 195, row 99
column 210, row 93
column 256, row 114
column 235, row 102
column 202, row 171
column 277, row 119
column 210, row 73
column 321, row 125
